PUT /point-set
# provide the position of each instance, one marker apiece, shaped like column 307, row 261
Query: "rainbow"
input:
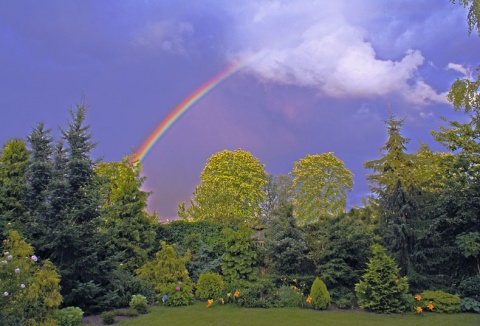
column 183, row 107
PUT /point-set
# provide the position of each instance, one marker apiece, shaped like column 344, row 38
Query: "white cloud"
column 461, row 69
column 312, row 44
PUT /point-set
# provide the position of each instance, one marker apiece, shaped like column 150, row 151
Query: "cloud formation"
column 312, row 44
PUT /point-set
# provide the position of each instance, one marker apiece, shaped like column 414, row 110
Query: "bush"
column 381, row 289
column 108, row 317
column 259, row 294
column 177, row 295
column 209, row 286
column 69, row 316
column 441, row 301
column 139, row 303
column 290, row 296
column 470, row 305
column 319, row 297
column 470, row 287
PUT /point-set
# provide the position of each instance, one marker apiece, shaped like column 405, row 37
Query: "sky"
column 315, row 77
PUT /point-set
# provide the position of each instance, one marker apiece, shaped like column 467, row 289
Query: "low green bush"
column 319, row 297
column 470, row 305
column 470, row 287
column 258, row 294
column 177, row 295
column 69, row 316
column 139, row 303
column 108, row 317
column 210, row 286
column 441, row 301
column 289, row 296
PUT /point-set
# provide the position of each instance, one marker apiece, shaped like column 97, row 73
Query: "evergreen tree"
column 285, row 247
column 38, row 178
column 396, row 190
column 13, row 164
column 239, row 259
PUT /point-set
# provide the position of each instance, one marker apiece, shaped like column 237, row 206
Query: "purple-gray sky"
column 318, row 78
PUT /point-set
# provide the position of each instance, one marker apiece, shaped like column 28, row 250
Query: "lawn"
column 229, row 315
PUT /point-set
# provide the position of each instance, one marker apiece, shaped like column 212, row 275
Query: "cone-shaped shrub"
column 320, row 298
column 381, row 289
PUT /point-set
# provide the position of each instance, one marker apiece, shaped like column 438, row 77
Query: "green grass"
column 232, row 315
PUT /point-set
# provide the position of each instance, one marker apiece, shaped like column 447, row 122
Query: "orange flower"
column 396, row 281
column 210, row 303
column 236, row 294
column 418, row 297
column 222, row 301
column 430, row 306
column 309, row 299
column 419, row 310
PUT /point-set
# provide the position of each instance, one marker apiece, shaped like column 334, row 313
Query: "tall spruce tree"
column 38, row 177
column 395, row 188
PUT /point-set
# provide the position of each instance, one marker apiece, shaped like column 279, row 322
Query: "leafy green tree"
column 239, row 259
column 231, row 190
column 381, row 288
column 129, row 232
column 30, row 289
column 279, row 194
column 320, row 182
column 473, row 18
column 13, row 164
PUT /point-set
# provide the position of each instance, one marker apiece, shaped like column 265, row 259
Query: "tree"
column 382, row 289
column 285, row 246
column 13, row 164
column 231, row 189
column 39, row 175
column 473, row 18
column 279, row 194
column 239, row 259
column 129, row 233
column 319, row 183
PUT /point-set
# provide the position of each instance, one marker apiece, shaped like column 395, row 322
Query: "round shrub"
column 108, row 317
column 139, row 302
column 441, row 301
column 210, row 286
column 69, row 316
column 319, row 296
column 290, row 296
column 177, row 295
column 470, row 287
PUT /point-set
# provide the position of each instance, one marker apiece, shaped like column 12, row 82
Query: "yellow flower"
column 396, row 281
column 419, row 310
column 309, row 299
column 430, row 306
column 229, row 294
column 222, row 301
column 210, row 303
column 418, row 297
column 236, row 294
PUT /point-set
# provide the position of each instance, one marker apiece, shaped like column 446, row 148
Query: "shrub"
column 319, row 297
column 441, row 301
column 381, row 289
column 108, row 317
column 209, row 286
column 30, row 290
column 177, row 295
column 470, row 304
column 258, row 294
column 290, row 296
column 69, row 316
column 470, row 287
column 139, row 303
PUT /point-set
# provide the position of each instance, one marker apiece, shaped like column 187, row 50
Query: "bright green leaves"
column 319, row 183
column 231, row 189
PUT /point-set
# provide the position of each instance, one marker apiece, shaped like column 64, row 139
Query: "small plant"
column 441, row 301
column 177, row 295
column 319, row 295
column 70, row 316
column 139, row 303
column 108, row 317
column 290, row 296
column 210, row 286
